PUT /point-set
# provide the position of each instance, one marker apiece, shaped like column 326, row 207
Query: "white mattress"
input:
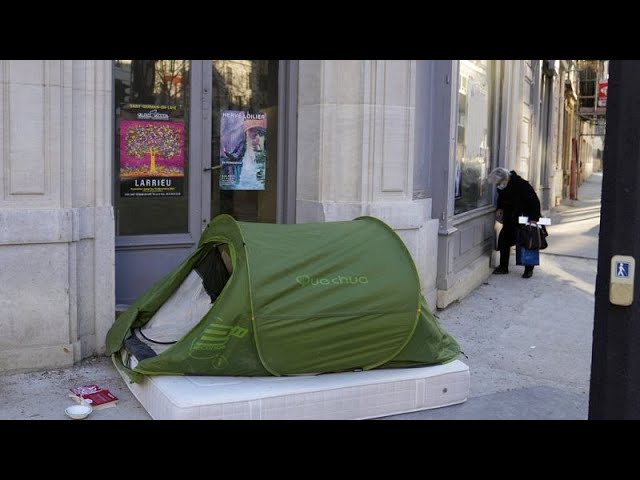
column 338, row 396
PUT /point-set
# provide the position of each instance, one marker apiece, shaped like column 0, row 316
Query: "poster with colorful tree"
column 151, row 158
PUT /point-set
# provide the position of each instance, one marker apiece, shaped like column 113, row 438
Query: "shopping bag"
column 494, row 260
column 527, row 257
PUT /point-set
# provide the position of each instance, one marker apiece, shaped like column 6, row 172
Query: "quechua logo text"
column 311, row 281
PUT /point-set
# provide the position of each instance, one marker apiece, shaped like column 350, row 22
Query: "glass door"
column 194, row 139
column 157, row 168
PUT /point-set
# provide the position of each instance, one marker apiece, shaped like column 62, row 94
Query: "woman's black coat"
column 517, row 199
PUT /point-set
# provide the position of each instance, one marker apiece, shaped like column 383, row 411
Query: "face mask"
column 502, row 186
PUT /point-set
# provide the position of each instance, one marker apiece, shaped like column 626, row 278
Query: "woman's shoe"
column 527, row 274
column 500, row 271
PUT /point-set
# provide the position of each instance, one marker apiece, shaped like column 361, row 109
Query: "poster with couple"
column 243, row 154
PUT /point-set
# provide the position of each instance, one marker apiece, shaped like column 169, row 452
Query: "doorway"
column 194, row 139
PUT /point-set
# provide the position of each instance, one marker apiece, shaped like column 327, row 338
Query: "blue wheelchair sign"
column 622, row 269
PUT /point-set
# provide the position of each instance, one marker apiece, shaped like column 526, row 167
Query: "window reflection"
column 473, row 135
column 151, row 81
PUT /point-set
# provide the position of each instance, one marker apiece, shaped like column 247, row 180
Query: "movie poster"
column 151, row 158
column 243, row 154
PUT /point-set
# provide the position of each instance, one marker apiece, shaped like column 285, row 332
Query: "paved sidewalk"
column 44, row 395
column 529, row 340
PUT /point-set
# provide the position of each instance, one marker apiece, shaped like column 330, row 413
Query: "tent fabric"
column 293, row 299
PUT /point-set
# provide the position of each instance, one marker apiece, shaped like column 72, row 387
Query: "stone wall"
column 56, row 219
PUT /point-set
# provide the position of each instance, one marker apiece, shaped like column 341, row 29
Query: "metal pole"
column 615, row 366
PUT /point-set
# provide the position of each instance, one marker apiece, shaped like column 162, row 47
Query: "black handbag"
column 532, row 237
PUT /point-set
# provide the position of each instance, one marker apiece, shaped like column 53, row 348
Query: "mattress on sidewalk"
column 337, row 396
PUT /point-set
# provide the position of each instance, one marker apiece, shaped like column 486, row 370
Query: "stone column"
column 356, row 151
column 56, row 215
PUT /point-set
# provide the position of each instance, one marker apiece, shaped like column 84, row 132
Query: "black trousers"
column 506, row 240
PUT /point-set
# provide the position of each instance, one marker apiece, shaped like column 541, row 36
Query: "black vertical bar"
column 615, row 366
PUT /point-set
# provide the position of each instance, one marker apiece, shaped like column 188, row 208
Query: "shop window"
column 587, row 87
column 473, row 134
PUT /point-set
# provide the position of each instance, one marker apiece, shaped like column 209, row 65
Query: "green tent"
column 284, row 300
